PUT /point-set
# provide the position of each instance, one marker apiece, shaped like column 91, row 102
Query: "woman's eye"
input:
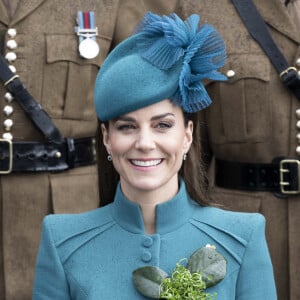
column 125, row 127
column 164, row 125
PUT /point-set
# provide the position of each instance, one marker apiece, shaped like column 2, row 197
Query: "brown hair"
column 191, row 171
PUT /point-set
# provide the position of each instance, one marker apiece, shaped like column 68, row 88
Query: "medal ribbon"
column 87, row 32
column 86, row 21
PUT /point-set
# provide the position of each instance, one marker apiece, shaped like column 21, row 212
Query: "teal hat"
column 167, row 59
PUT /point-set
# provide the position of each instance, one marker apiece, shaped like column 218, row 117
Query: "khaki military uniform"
column 254, row 119
column 47, row 60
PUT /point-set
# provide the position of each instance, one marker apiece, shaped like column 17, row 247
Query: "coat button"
column 146, row 256
column 298, row 62
column 11, row 44
column 298, row 113
column 147, row 242
column 298, row 124
column 230, row 73
column 12, row 32
column 298, row 150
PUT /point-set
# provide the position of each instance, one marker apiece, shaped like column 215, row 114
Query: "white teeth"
column 146, row 163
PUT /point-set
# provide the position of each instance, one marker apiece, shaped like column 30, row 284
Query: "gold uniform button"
column 8, row 123
column 11, row 56
column 8, row 110
column 298, row 150
column 298, row 62
column 12, row 32
column 12, row 44
column 298, row 124
column 7, row 136
column 298, row 137
column 8, row 97
column 58, row 154
column 230, row 73
column 298, row 113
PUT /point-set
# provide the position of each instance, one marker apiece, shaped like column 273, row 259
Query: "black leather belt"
column 281, row 176
column 47, row 156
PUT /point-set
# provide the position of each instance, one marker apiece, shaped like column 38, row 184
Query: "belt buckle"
column 10, row 153
column 283, row 183
column 287, row 70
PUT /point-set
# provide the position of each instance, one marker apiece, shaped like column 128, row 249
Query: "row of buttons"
column 8, row 109
column 146, row 254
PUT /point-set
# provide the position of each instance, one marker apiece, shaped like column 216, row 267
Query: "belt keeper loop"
column 70, row 152
column 11, row 80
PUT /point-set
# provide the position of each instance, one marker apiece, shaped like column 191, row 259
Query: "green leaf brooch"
column 205, row 268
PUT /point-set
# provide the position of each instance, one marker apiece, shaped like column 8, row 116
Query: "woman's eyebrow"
column 124, row 118
column 162, row 116
column 131, row 119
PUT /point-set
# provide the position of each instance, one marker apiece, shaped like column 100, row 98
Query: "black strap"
column 281, row 175
column 46, row 156
column 33, row 109
column 259, row 31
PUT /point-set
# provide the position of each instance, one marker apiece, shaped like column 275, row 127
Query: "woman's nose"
column 145, row 141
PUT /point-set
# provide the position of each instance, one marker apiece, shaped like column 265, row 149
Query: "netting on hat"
column 164, row 41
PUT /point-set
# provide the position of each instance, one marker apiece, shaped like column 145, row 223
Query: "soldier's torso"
column 253, row 116
column 41, row 45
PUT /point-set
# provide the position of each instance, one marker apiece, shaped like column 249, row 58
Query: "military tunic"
column 255, row 118
column 43, row 49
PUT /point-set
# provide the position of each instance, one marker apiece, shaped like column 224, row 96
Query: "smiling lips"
column 146, row 163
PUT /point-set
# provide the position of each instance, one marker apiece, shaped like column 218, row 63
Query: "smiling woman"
column 163, row 124
column 147, row 147
column 147, row 96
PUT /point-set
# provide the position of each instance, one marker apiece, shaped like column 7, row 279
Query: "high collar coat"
column 92, row 255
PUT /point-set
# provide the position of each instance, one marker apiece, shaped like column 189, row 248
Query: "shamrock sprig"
column 184, row 285
column 205, row 268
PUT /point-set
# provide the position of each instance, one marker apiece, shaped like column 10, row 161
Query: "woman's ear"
column 188, row 136
column 105, row 136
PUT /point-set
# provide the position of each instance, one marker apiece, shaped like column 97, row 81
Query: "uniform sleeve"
column 256, row 278
column 50, row 281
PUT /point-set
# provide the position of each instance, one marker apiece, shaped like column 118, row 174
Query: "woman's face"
column 147, row 147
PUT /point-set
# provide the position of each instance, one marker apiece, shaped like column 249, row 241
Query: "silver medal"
column 89, row 48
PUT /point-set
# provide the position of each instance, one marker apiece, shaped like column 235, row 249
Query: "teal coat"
column 92, row 255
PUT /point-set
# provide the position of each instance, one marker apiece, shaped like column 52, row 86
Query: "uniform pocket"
column 68, row 81
column 242, row 108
